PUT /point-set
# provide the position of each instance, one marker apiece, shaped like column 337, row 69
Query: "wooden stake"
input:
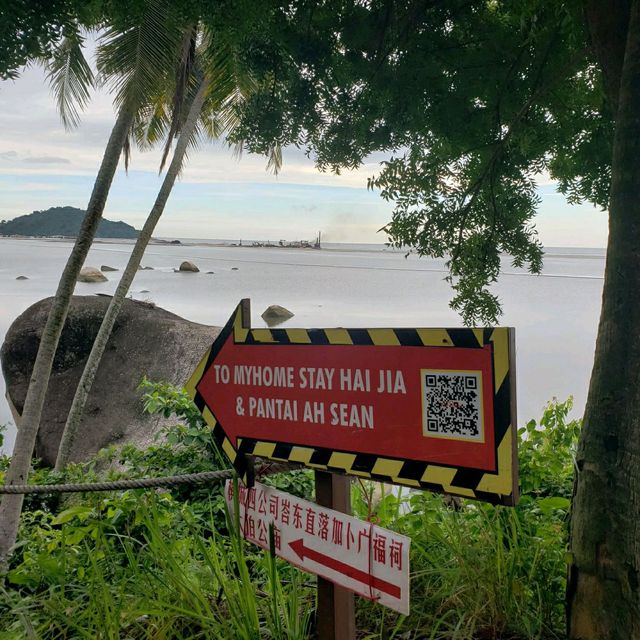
column 336, row 608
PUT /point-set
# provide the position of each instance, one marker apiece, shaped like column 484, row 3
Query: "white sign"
column 360, row 556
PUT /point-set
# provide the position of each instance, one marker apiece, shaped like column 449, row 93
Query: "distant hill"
column 62, row 221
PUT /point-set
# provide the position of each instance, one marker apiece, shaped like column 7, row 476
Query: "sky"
column 218, row 196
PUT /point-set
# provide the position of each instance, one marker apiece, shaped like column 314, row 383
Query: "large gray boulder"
column 146, row 341
column 188, row 266
column 91, row 274
column 275, row 314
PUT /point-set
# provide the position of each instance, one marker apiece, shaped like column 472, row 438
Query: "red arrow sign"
column 360, row 398
column 363, row 577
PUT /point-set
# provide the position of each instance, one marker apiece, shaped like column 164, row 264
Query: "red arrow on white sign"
column 342, row 567
column 360, row 556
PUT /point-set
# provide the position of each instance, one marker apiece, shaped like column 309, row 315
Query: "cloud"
column 8, row 155
column 47, row 160
column 27, row 187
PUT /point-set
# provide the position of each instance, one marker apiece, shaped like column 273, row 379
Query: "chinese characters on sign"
column 369, row 560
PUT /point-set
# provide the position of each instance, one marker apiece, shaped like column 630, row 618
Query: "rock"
column 91, row 274
column 22, row 278
column 146, row 341
column 146, row 268
column 275, row 314
column 234, row 268
column 188, row 266
column 211, row 273
column 106, row 267
column 145, row 291
column 175, row 242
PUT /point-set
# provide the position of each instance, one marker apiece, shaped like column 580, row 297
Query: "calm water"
column 555, row 314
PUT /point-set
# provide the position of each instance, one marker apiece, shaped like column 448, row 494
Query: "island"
column 62, row 222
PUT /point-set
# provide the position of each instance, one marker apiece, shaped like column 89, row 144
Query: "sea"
column 555, row 314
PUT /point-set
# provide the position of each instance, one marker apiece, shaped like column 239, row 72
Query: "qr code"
column 452, row 406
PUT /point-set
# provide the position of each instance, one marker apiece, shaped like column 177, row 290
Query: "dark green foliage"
column 469, row 102
column 30, row 29
column 149, row 564
column 547, row 452
column 159, row 564
column 478, row 571
column 62, row 221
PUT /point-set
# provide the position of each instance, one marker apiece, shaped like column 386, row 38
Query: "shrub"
column 169, row 564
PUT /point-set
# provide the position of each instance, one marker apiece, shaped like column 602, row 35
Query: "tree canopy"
column 473, row 102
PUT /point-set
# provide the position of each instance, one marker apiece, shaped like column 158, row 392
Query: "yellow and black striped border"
column 498, row 487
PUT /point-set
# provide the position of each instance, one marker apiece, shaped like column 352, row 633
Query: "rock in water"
column 91, row 274
column 146, row 341
column 275, row 314
column 188, row 266
column 22, row 278
column 106, row 267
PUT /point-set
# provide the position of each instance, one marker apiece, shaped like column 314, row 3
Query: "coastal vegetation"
column 472, row 102
column 202, row 103
column 169, row 564
column 62, row 221
column 173, row 77
column 138, row 54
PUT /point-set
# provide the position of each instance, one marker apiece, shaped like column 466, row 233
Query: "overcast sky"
column 218, row 196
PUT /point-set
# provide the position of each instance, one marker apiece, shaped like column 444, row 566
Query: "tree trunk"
column 603, row 598
column 88, row 375
column 30, row 420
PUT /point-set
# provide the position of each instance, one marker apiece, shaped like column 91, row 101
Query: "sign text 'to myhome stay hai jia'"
column 424, row 408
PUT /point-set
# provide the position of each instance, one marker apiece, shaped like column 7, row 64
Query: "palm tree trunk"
column 30, row 420
column 91, row 367
column 603, row 592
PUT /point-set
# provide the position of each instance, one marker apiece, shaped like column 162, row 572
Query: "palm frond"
column 127, row 147
column 152, row 123
column 198, row 132
column 231, row 85
column 182, row 83
column 137, row 61
column 274, row 158
column 170, row 94
column 71, row 79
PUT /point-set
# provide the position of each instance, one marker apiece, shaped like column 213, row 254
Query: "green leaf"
column 71, row 79
column 79, row 512
column 21, row 576
column 552, row 503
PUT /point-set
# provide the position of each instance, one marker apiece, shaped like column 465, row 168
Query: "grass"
column 157, row 578
column 170, row 565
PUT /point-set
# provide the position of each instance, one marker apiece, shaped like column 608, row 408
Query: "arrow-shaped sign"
column 421, row 407
column 305, row 552
column 357, row 555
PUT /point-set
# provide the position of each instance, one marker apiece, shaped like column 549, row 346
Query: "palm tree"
column 218, row 93
column 143, row 46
